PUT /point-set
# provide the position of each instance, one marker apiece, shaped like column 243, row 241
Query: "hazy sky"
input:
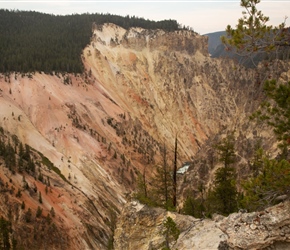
column 203, row 16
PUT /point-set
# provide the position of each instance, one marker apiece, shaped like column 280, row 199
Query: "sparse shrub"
column 18, row 194
column 39, row 197
column 52, row 212
column 23, row 205
column 38, row 212
column 28, row 215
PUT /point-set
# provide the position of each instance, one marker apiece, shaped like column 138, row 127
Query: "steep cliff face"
column 168, row 81
column 140, row 90
column 65, row 124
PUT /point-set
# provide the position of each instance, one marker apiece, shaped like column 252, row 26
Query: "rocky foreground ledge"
column 142, row 227
column 268, row 229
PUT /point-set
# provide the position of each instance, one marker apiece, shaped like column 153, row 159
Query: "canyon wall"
column 140, row 90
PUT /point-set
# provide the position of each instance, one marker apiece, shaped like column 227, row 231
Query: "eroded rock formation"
column 100, row 129
column 267, row 229
column 142, row 227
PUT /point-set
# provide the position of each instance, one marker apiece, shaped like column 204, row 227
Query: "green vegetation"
column 32, row 41
column 51, row 166
column 142, row 190
column 19, row 158
column 39, row 197
column 38, row 212
column 271, row 186
column 161, row 192
column 252, row 35
column 194, row 206
column 28, row 215
column 5, row 234
column 13, row 232
column 269, row 180
column 23, row 205
column 171, row 232
column 225, row 191
column 276, row 111
column 163, row 187
column 223, row 196
column 52, row 212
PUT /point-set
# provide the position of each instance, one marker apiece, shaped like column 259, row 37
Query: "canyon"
column 141, row 89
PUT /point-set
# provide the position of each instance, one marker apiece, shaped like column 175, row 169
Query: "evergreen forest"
column 32, row 41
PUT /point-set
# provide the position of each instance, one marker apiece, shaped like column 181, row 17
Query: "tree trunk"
column 175, row 174
column 165, row 177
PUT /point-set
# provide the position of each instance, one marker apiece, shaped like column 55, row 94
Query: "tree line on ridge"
column 32, row 41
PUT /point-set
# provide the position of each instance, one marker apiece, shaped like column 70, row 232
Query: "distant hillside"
column 32, row 41
column 216, row 48
column 214, row 41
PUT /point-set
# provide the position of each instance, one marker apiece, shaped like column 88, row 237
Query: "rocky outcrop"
column 268, row 229
column 141, row 227
column 138, row 39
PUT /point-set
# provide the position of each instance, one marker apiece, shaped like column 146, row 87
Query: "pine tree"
column 256, row 163
column 225, row 191
column 5, row 229
column 270, row 185
column 171, row 232
column 52, row 212
column 270, row 176
column 175, row 173
column 39, row 197
column 162, row 188
column 38, row 212
column 276, row 113
column 142, row 190
column 194, row 205
column 28, row 215
column 23, row 205
column 252, row 34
